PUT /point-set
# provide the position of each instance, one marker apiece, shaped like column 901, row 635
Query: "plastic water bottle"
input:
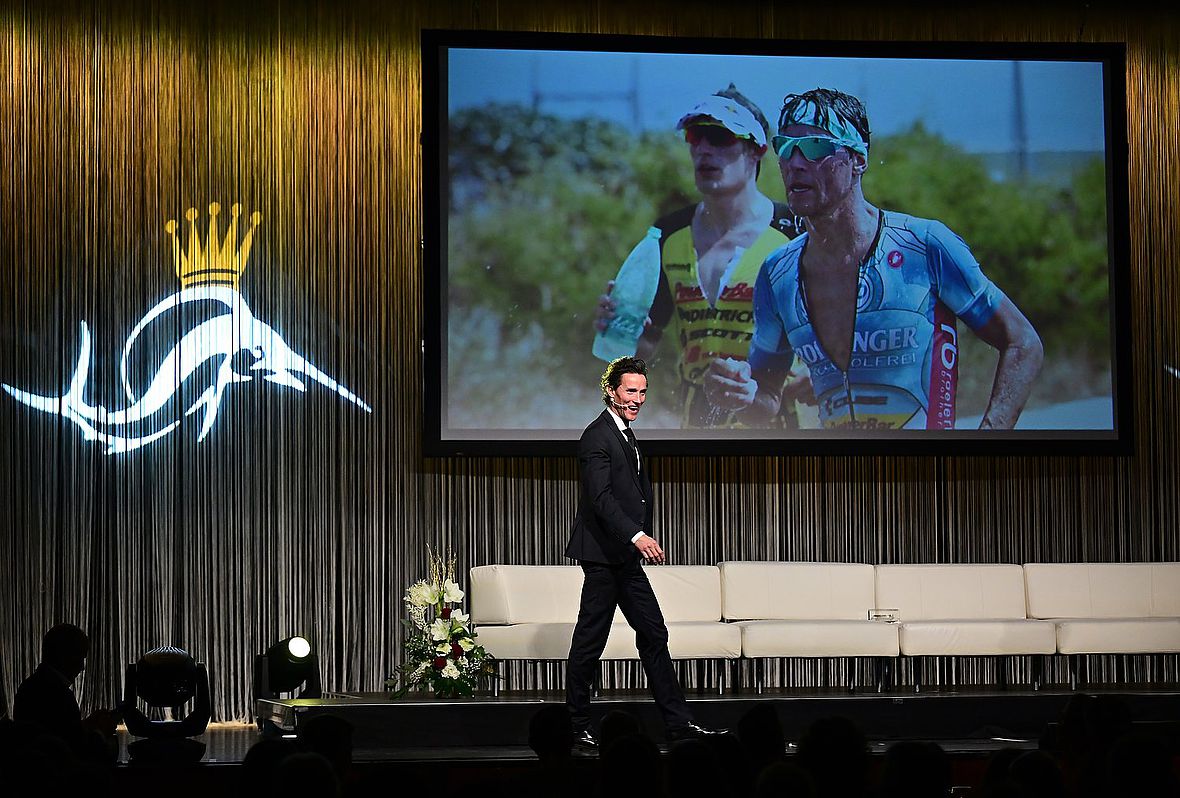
column 635, row 288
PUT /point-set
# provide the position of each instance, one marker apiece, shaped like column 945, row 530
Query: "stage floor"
column 962, row 720
column 473, row 743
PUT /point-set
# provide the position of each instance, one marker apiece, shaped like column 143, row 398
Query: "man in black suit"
column 45, row 701
column 611, row 534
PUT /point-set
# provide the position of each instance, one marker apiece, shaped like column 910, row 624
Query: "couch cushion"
column 818, row 638
column 936, row 592
column 1118, row 636
column 955, row 637
column 1103, row 590
column 527, row 640
column 551, row 641
column 687, row 593
column 796, row 590
column 506, row 594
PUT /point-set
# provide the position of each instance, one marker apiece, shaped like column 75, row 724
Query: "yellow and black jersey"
column 702, row 331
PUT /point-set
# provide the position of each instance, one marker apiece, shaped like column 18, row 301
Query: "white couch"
column 804, row 609
column 962, row 610
column 527, row 612
column 1107, row 608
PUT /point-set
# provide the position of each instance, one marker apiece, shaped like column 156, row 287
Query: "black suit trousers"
column 625, row 585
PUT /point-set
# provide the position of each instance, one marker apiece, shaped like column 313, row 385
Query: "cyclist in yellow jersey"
column 711, row 252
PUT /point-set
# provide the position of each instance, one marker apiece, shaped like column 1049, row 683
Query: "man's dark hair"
column 64, row 642
column 827, row 101
column 732, row 93
column 615, row 371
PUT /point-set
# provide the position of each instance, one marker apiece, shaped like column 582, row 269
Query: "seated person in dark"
column 45, row 701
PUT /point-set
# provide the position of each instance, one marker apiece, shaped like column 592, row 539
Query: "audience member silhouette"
column 1088, row 728
column 631, row 767
column 40, row 764
column 694, row 771
column 45, row 701
column 785, row 780
column 551, row 738
column 306, row 774
column 761, row 734
column 551, row 735
column 996, row 781
column 1038, row 773
column 261, row 764
column 834, row 752
column 735, row 763
column 615, row 724
column 330, row 736
column 1140, row 764
column 915, row 769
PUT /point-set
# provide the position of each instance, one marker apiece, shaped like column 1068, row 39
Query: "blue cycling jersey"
column 917, row 278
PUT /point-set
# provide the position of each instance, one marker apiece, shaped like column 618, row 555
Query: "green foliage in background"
column 544, row 210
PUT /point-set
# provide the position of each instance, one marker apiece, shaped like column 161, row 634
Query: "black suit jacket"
column 46, row 701
column 615, row 500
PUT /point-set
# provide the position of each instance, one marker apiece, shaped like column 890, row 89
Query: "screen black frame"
column 435, row 44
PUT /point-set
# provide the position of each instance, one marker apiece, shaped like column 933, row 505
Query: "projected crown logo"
column 222, row 260
column 229, row 348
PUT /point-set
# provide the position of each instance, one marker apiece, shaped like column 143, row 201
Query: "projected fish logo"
column 209, row 275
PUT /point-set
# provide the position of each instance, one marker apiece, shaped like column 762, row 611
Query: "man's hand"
column 729, row 384
column 103, row 721
column 650, row 550
column 604, row 311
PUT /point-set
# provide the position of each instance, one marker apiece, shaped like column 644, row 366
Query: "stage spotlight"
column 166, row 678
column 286, row 667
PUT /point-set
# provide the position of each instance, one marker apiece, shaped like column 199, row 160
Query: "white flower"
column 450, row 671
column 443, row 648
column 466, row 644
column 441, row 629
column 451, row 592
column 422, row 594
column 461, row 618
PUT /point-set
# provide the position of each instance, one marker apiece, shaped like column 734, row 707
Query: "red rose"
column 440, row 663
column 456, row 650
column 446, row 613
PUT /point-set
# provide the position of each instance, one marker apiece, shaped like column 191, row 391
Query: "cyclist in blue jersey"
column 868, row 298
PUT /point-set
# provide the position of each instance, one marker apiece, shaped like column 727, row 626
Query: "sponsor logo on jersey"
column 742, row 292
column 867, row 343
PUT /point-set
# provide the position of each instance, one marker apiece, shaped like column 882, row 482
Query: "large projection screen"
column 997, row 173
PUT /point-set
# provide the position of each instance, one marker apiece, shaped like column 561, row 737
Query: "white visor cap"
column 733, row 116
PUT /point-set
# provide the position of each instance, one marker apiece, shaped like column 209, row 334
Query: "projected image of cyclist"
column 711, row 252
column 868, row 298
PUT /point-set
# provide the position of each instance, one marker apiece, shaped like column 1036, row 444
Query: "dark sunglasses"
column 813, row 148
column 716, row 135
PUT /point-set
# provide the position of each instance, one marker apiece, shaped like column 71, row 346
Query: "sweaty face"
column 629, row 397
column 720, row 168
column 817, row 187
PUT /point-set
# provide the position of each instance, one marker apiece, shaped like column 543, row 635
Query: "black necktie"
column 629, row 434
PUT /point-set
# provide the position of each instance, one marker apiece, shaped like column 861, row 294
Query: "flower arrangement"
column 441, row 653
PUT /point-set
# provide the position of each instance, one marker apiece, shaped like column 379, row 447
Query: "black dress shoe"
column 585, row 739
column 691, row 731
